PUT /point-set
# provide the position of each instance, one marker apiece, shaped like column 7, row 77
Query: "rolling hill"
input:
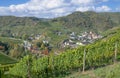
column 11, row 26
column 90, row 20
column 77, row 21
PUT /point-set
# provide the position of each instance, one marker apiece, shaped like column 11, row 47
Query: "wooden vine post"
column 0, row 74
column 84, row 57
column 115, row 53
column 48, row 66
column 29, row 60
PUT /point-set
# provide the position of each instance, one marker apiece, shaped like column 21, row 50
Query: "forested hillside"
column 76, row 21
column 90, row 20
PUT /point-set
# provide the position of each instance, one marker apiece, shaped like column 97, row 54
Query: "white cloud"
column 58, row 10
column 87, row 2
column 37, row 5
column 46, row 4
column 103, row 8
column 52, row 8
column 89, row 5
column 3, row 9
column 82, row 1
column 34, row 7
column 118, row 9
column 18, row 8
column 86, row 8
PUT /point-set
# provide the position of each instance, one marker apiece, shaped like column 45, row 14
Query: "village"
column 73, row 41
column 80, row 40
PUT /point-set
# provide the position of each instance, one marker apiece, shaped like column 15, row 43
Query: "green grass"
column 10, row 40
column 111, row 71
column 4, row 59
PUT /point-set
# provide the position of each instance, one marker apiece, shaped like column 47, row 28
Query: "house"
column 58, row 33
column 2, row 47
column 80, row 43
column 27, row 45
column 84, row 34
column 68, row 42
column 30, row 38
column 37, row 37
column 72, row 34
column 73, row 37
column 65, row 43
column 45, row 52
column 45, row 42
column 85, row 43
column 89, row 36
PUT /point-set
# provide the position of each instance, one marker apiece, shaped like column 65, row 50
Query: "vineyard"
column 101, row 53
column 6, row 62
column 4, row 59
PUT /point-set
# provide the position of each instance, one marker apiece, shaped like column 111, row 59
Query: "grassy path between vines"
column 110, row 71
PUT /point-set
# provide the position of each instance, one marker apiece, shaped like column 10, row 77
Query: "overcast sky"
column 55, row 8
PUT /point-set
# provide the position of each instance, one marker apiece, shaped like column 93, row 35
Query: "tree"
column 25, row 36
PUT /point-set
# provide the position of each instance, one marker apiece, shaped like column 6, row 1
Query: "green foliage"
column 100, row 53
column 22, row 67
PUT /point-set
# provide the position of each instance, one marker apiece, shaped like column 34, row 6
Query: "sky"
column 55, row 8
